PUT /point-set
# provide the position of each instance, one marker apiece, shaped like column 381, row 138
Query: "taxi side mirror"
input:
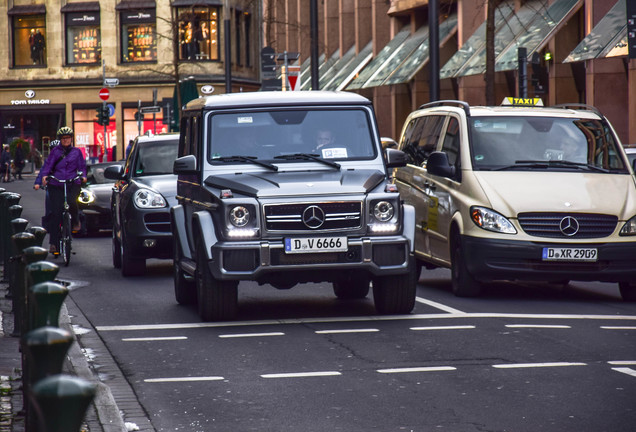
column 438, row 165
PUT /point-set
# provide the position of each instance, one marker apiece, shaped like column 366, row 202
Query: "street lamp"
column 228, row 53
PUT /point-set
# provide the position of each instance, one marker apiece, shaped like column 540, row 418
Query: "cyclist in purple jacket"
column 64, row 162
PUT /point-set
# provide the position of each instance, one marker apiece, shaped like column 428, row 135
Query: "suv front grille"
column 559, row 225
column 310, row 217
column 157, row 221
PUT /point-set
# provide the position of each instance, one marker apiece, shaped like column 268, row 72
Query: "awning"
column 80, row 7
column 322, row 69
column 475, row 44
column 180, row 3
column 542, row 29
column 347, row 73
column 379, row 60
column 406, row 71
column 607, row 39
column 135, row 4
column 27, row 10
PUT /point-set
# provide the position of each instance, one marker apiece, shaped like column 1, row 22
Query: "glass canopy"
column 340, row 64
column 322, row 69
column 607, row 39
column 347, row 73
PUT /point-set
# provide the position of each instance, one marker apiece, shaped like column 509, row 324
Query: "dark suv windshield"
column 500, row 143
column 339, row 134
column 156, row 157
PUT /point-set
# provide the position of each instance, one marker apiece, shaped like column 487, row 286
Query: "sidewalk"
column 103, row 415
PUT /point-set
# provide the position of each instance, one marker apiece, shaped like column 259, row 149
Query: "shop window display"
column 89, row 135
column 132, row 127
column 29, row 40
column 198, row 35
column 83, row 38
column 138, row 36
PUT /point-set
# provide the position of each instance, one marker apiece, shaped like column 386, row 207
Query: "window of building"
column 89, row 135
column 248, row 24
column 198, row 35
column 237, row 39
column 29, row 40
column 83, row 38
column 150, row 122
column 138, row 36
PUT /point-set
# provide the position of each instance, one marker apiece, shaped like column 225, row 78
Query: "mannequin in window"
column 32, row 46
column 38, row 45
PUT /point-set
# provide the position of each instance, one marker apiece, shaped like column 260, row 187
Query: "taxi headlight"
column 491, row 220
column 383, row 211
column 86, row 196
column 239, row 216
column 629, row 229
column 146, row 198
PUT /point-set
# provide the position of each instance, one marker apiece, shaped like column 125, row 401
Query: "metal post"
column 228, row 47
column 522, row 55
column 104, row 110
column 313, row 18
column 433, row 38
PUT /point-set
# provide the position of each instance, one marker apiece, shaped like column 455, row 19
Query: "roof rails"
column 457, row 103
column 580, row 106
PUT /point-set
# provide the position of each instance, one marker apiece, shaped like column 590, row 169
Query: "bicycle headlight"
column 86, row 196
column 491, row 220
column 146, row 198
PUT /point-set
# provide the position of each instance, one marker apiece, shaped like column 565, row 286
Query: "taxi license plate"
column 570, row 254
column 315, row 244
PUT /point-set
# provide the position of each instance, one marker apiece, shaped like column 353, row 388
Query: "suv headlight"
column 629, row 229
column 241, row 221
column 491, row 220
column 384, row 216
column 146, row 198
column 86, row 196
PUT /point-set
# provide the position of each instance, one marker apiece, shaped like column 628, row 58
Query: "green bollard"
column 17, row 282
column 14, row 211
column 30, row 255
column 7, row 199
column 45, row 302
column 19, row 225
column 39, row 234
column 61, row 402
column 45, row 350
column 41, row 271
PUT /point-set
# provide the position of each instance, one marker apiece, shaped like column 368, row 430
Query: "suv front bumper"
column 489, row 259
column 250, row 260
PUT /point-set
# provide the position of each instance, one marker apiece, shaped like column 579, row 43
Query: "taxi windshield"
column 529, row 143
column 290, row 135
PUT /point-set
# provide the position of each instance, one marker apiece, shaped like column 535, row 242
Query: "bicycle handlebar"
column 79, row 175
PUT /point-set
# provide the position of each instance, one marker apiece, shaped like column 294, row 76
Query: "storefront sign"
column 30, row 95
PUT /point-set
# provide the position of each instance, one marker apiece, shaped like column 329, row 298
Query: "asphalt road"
column 524, row 357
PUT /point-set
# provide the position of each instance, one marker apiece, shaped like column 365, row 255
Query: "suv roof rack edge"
column 450, row 102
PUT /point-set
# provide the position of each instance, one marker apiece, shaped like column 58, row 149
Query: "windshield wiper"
column 308, row 156
column 550, row 164
column 250, row 159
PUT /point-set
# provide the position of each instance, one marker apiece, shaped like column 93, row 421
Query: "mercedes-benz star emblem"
column 313, row 217
column 569, row 226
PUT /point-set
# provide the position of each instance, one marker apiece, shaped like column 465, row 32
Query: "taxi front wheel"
column 628, row 291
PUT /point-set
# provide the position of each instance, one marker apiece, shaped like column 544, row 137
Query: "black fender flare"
column 204, row 227
column 177, row 221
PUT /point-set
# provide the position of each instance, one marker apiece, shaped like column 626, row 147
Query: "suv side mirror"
column 185, row 165
column 438, row 165
column 395, row 158
column 115, row 172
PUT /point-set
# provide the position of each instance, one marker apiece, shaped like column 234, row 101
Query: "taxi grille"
column 550, row 224
column 334, row 216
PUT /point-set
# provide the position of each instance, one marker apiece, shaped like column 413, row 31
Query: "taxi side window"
column 451, row 141
column 421, row 137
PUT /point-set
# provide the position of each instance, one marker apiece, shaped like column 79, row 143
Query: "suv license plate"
column 315, row 244
column 570, row 254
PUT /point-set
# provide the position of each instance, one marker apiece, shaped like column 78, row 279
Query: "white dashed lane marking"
column 536, row 365
column 369, row 330
column 465, row 327
column 628, row 371
column 154, row 339
column 183, row 379
column 554, row 326
column 246, row 335
column 302, row 374
column 417, row 369
column 617, row 328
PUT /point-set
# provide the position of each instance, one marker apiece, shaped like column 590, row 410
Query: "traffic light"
column 539, row 78
column 139, row 116
column 105, row 115
column 100, row 116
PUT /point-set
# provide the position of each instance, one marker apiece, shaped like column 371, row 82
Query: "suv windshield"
column 508, row 143
column 338, row 134
column 156, row 157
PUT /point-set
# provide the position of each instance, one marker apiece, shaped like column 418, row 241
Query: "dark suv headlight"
column 146, row 199
column 383, row 216
column 241, row 221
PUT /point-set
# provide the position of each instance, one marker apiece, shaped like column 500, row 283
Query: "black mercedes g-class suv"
column 284, row 188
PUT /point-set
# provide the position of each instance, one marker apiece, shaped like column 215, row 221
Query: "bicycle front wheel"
column 65, row 239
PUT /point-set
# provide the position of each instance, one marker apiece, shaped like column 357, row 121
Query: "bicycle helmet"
column 54, row 143
column 64, row 131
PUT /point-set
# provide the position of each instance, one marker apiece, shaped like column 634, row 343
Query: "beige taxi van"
column 519, row 192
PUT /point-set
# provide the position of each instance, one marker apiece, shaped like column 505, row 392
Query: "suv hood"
column 511, row 193
column 266, row 184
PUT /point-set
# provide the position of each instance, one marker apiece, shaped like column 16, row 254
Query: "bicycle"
column 66, row 237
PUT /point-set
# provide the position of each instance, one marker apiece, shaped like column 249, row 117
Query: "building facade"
column 576, row 52
column 58, row 54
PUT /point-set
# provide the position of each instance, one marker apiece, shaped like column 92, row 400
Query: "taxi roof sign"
column 526, row 102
